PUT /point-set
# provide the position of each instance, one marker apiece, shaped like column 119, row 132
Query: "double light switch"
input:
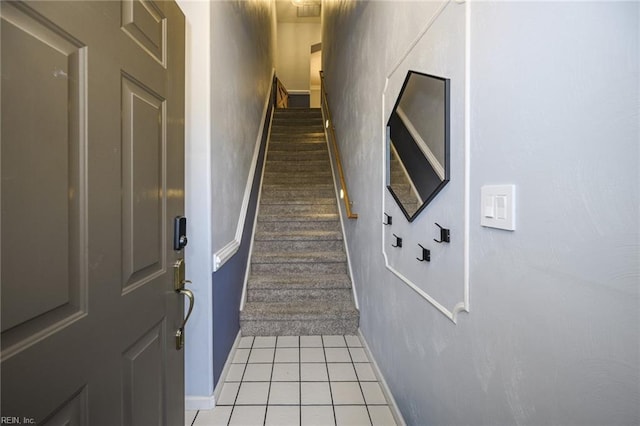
column 498, row 206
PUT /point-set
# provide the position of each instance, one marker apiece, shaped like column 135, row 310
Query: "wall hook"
column 388, row 220
column 444, row 235
column 398, row 241
column 426, row 254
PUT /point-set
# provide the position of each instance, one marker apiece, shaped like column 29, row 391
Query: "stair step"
column 299, row 318
column 296, row 179
column 297, row 209
column 292, row 166
column 277, row 194
column 307, row 145
column 299, row 281
column 292, row 247
column 298, row 235
column 294, row 174
column 284, row 199
column 298, row 112
column 299, row 217
column 287, row 127
column 295, row 226
column 298, row 155
column 298, row 257
column 310, row 268
column 297, row 295
column 277, row 288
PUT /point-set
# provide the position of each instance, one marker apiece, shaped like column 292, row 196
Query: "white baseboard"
column 227, row 365
column 195, row 403
column 397, row 415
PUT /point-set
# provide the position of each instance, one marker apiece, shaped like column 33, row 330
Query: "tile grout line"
column 300, row 380
column 364, row 398
column 273, row 364
column 326, row 367
column 244, row 370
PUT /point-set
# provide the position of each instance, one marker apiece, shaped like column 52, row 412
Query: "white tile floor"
column 298, row 381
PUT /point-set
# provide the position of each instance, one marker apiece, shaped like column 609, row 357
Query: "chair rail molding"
column 223, row 255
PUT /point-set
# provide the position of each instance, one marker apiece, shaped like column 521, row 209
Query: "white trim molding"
column 194, row 403
column 298, row 92
column 462, row 306
column 340, row 204
column 247, row 272
column 395, row 411
column 223, row 255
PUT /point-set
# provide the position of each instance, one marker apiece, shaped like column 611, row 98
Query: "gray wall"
column 230, row 57
column 552, row 336
column 242, row 59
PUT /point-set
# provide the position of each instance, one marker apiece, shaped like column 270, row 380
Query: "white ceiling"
column 287, row 12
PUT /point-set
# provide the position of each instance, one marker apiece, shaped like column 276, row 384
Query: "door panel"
column 142, row 379
column 146, row 25
column 144, row 177
column 71, row 413
column 92, row 175
column 39, row 190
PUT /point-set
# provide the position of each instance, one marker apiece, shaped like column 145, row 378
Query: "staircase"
column 299, row 284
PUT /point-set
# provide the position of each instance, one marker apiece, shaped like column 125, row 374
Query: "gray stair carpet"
column 299, row 282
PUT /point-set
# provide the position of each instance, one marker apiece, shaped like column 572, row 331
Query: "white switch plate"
column 500, row 201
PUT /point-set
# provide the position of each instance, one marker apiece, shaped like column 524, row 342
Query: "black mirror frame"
column 447, row 125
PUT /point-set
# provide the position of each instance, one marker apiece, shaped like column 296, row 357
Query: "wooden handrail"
column 332, row 130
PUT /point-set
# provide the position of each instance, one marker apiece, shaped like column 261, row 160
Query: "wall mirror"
column 418, row 142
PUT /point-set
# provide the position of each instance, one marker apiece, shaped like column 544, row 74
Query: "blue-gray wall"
column 552, row 336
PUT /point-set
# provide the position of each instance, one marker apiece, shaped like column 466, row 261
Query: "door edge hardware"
column 180, row 331
column 179, row 280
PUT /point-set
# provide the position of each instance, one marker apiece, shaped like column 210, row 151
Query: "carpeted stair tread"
column 266, row 200
column 298, row 235
column 299, row 217
column 300, row 281
column 286, row 226
column 295, row 311
column 299, row 257
column 297, row 209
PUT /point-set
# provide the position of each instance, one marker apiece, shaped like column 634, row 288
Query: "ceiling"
column 287, row 12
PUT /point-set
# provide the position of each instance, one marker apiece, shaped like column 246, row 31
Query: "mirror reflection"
column 418, row 142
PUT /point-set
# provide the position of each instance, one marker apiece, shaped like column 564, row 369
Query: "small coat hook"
column 444, row 235
column 426, row 254
column 388, row 220
column 398, row 241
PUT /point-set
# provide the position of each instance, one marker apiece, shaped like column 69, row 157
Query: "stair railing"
column 282, row 95
column 332, row 132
